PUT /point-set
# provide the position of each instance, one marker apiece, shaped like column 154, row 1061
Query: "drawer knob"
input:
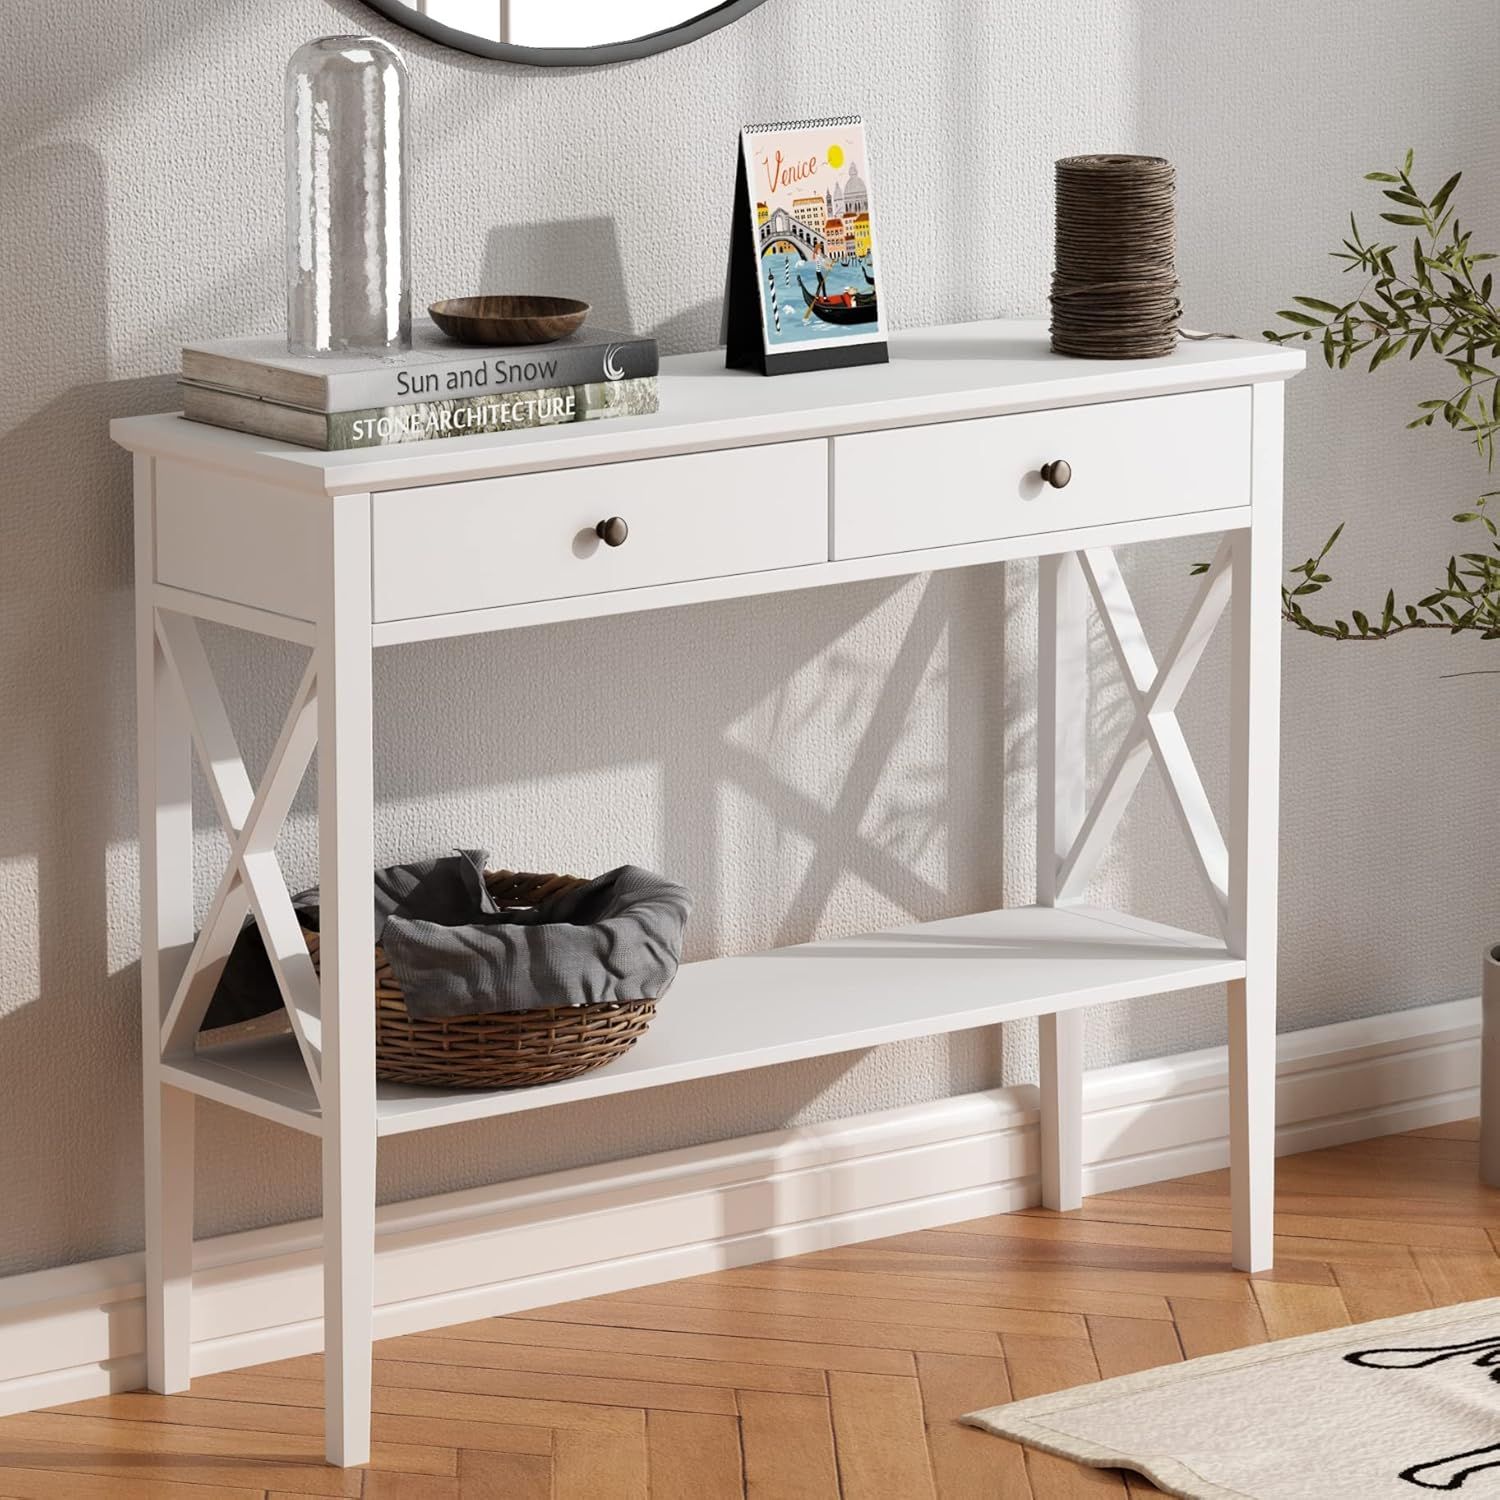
column 1057, row 473
column 612, row 532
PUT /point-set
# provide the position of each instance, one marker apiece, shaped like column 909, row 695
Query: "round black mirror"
column 563, row 33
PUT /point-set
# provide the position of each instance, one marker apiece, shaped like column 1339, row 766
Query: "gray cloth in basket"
column 455, row 953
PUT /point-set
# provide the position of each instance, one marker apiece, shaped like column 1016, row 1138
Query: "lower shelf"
column 727, row 1014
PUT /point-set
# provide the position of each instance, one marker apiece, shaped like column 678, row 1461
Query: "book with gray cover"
column 434, row 368
column 420, row 421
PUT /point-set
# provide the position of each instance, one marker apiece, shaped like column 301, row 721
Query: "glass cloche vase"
column 348, row 270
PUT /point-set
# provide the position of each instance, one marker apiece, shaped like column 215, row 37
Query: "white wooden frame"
column 182, row 714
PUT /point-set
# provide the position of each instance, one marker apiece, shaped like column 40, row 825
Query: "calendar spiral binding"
column 833, row 122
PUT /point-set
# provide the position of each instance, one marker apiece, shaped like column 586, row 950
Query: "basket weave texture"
column 501, row 1049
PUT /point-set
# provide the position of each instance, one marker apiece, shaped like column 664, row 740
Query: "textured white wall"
column 812, row 763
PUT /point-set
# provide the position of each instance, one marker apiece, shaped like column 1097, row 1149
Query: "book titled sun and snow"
column 436, row 389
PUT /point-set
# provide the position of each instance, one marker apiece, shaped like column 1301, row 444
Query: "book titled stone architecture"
column 433, row 369
column 421, row 421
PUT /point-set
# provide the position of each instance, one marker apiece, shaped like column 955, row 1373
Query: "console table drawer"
column 935, row 486
column 450, row 547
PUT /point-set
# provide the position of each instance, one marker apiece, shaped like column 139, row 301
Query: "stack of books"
column 437, row 389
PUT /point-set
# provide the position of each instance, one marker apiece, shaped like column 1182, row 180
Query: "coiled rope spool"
column 1114, row 282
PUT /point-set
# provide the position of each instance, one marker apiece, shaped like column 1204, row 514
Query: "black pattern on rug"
column 1453, row 1472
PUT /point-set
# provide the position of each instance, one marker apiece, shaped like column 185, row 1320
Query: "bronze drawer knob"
column 613, row 531
column 1057, row 473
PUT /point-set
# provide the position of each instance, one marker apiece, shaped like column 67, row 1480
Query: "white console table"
column 974, row 445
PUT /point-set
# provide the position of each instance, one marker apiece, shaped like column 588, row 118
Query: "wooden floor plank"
column 20, row 1483
column 480, row 1376
column 1441, row 1229
column 1054, row 1478
column 1207, row 1326
column 1459, row 1275
column 1124, row 1345
column 1204, row 1276
column 693, row 1457
column 1382, row 1291
column 1456, row 1130
column 440, row 1405
column 1290, row 1310
column 537, row 1385
column 880, row 1437
column 1298, row 1238
column 627, row 1338
column 605, row 1364
column 788, row 1447
column 295, row 1399
column 504, row 1476
column 944, row 1281
column 907, row 1338
column 589, row 1464
column 968, row 1464
column 383, row 1486
column 911, row 1313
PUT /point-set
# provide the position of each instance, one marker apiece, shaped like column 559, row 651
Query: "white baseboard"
column 76, row 1332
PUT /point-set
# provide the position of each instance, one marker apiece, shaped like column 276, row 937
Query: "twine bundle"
column 1114, row 283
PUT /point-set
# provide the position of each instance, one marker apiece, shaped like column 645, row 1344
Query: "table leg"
column 1253, row 843
column 166, row 872
column 347, row 990
column 1061, row 1058
column 1062, row 725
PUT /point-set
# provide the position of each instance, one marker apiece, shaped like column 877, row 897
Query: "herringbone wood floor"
column 837, row 1374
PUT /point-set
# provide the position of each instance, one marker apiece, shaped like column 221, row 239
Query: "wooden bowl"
column 508, row 320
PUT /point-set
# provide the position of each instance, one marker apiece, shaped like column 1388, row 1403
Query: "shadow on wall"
column 738, row 716
column 571, row 258
column 66, row 674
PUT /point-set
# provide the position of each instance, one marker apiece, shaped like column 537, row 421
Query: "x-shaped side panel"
column 1155, row 730
column 253, row 818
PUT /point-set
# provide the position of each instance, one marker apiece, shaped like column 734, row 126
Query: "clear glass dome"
column 348, row 272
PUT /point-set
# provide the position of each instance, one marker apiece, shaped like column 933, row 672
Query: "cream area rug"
column 1383, row 1411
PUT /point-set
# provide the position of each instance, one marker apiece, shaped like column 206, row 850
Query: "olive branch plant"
column 1439, row 303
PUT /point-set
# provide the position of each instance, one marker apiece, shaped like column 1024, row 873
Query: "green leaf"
column 1361, row 622
column 1441, row 197
column 1300, row 318
column 1403, row 219
column 1318, row 305
column 1381, row 177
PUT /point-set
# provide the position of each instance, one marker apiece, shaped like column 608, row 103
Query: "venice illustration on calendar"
column 809, row 191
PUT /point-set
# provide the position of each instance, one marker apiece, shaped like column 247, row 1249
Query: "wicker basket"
column 501, row 1049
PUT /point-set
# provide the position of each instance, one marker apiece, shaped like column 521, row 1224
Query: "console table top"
column 948, row 373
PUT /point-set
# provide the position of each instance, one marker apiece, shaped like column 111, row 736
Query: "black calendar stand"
column 743, row 324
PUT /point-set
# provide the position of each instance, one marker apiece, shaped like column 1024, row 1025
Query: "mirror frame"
column 566, row 57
